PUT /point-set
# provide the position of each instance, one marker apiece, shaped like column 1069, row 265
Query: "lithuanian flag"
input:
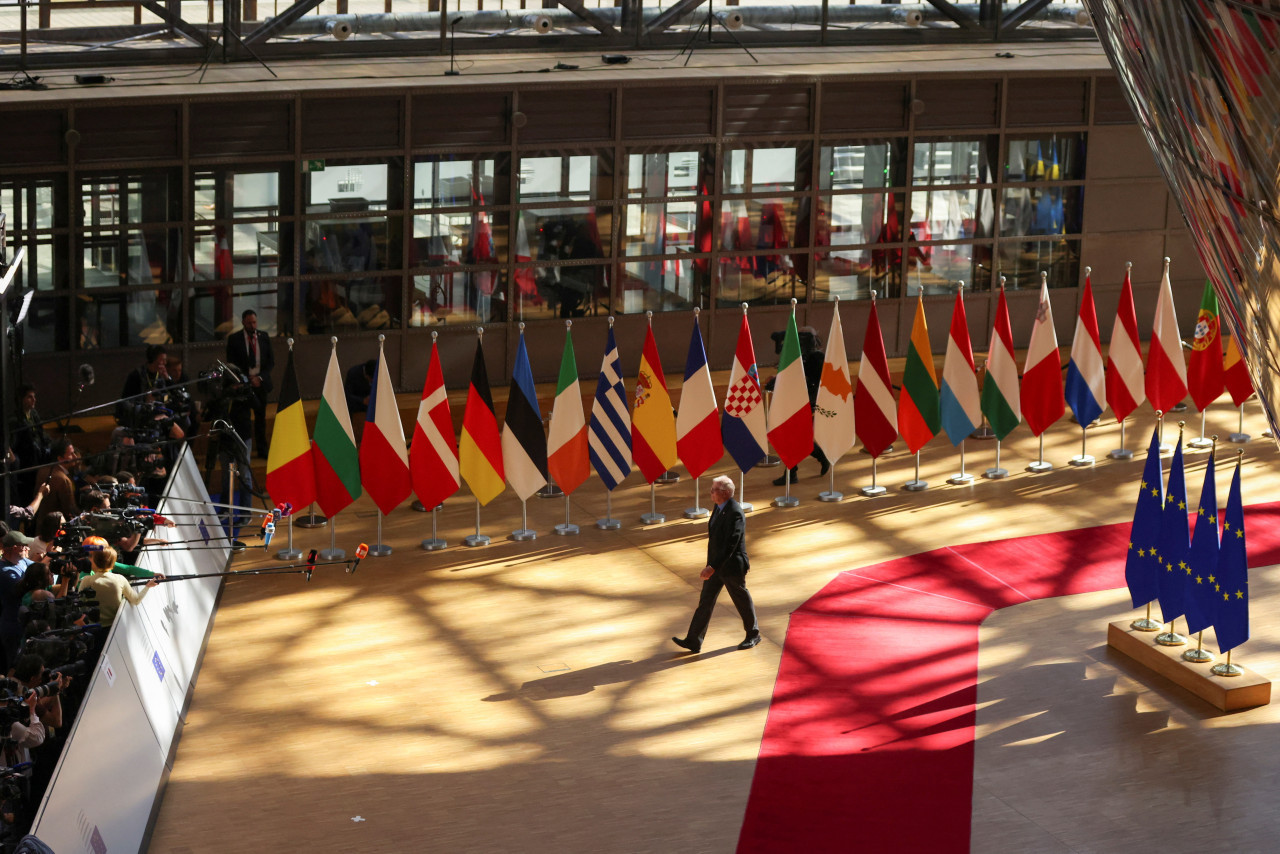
column 291, row 474
column 918, row 407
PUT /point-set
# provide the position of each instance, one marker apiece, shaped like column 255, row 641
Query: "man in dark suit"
column 250, row 351
column 727, row 565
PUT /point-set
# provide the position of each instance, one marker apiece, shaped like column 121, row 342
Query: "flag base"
column 960, row 479
column 770, row 461
column 420, row 507
column 1171, row 639
column 873, row 491
column 983, row 432
column 1121, row 454
column 995, row 474
column 1081, row 460
column 1225, row 669
column 1197, row 656
column 1040, row 466
column 333, row 554
column 523, row 534
column 1180, row 406
column 379, row 550
column 745, row 507
column 433, row 545
column 1238, row 438
column 565, row 529
column 668, row 476
column 474, row 540
column 652, row 518
column 1165, row 449
column 1200, row 444
column 697, row 513
column 831, row 497
column 311, row 520
column 1145, row 625
column 916, row 485
column 608, row 524
column 550, row 491
column 289, row 554
column 1266, row 434
column 786, row 501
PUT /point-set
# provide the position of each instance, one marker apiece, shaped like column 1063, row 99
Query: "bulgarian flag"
column 873, row 405
column 1042, row 392
column 384, row 459
column 337, row 462
column 1204, row 367
column 291, row 476
column 1001, row 402
column 1166, row 369
column 653, row 424
column 1124, row 357
column 433, row 456
column 918, row 407
column 789, row 414
column 567, row 449
column 1235, row 374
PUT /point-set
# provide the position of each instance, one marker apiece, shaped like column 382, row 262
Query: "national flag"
column 653, row 425
column 609, row 434
column 1204, row 367
column 337, row 462
column 291, row 474
column 1174, row 552
column 1001, row 400
column 1086, row 386
column 1042, row 400
column 918, row 415
column 524, row 447
column 1142, row 562
column 480, row 447
column 1166, row 369
column 743, row 426
column 959, row 404
column 1200, row 601
column 875, row 411
column 433, row 455
column 790, row 416
column 384, row 459
column 698, row 439
column 833, row 421
column 1124, row 358
column 567, row 443
column 1231, row 619
column 1235, row 374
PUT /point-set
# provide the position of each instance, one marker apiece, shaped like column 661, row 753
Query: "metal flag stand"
column 333, row 552
column 746, row 506
column 1172, row 637
column 1040, row 465
column 435, row 543
column 916, row 484
column 567, row 528
column 311, row 520
column 379, row 549
column 1146, row 624
column 1203, row 441
column 873, row 490
column 786, row 499
column 963, row 477
column 476, row 539
column 524, row 532
column 1121, row 453
column 1199, row 655
column 1083, row 459
column 289, row 553
column 997, row 472
column 653, row 517
column 1239, row 437
column 608, row 523
column 697, row 511
column 831, row 496
column 1227, row 668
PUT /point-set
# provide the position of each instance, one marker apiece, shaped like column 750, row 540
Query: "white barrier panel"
column 116, row 759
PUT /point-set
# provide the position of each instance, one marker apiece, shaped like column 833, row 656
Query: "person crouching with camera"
column 112, row 589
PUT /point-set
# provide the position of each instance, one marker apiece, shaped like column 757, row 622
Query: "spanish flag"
column 480, row 451
column 653, row 423
column 291, row 474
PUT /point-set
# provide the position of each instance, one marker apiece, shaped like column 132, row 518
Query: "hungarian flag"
column 433, row 456
column 1001, row 400
column 384, row 459
column 833, row 419
column 1166, row 369
column 567, row 445
column 698, row 439
column 743, row 427
column 1042, row 400
column 337, row 462
column 1124, row 358
column 918, row 406
column 960, row 406
column 1086, row 378
column 653, row 425
column 291, row 476
column 1204, row 368
column 790, row 416
column 873, row 406
column 524, row 447
column 480, row 449
column 1235, row 374
column 609, row 433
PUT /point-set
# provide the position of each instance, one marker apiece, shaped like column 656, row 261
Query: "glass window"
column 350, row 304
column 565, row 178
column 46, row 329
column 235, row 194
column 140, row 256
column 214, row 310
column 562, row 234
column 767, row 223
column 352, row 187
column 759, row 280
column 462, row 237
column 665, row 229
column 667, row 284
column 27, row 204
column 668, row 173
column 767, row 169
column 129, row 199
column 44, row 267
column 862, row 166
column 1051, row 157
column 554, row 291
column 448, row 297
column 129, row 318
column 937, row 269
column 951, row 214
column 458, row 181
column 951, row 161
column 855, row 220
column 1041, row 210
column 849, row 274
column 354, row 245
column 241, row 251
column 1021, row 262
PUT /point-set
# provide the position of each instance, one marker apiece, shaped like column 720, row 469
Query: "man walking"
column 727, row 565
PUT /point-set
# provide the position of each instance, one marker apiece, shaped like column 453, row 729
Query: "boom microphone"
column 86, row 376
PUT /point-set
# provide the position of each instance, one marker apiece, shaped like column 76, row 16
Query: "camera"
column 809, row 342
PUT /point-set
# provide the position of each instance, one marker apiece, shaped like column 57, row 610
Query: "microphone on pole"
column 362, row 551
column 87, row 377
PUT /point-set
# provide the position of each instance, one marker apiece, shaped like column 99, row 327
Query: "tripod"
column 21, row 78
column 708, row 24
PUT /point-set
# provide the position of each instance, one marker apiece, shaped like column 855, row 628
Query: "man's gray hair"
column 724, row 482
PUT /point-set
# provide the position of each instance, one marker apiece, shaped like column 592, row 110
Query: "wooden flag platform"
column 1227, row 693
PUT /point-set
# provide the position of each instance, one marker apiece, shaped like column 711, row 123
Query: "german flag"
column 290, row 472
column 480, row 451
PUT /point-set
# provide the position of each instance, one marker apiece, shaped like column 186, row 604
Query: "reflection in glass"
column 447, row 297
column 1052, row 157
column 665, row 229
column 240, row 251
column 27, row 203
column 855, row 220
column 215, row 310
column 762, row 224
column 352, row 187
column 666, row 173
column 453, row 181
column 576, row 177
column 46, row 328
column 42, row 268
column 233, row 194
column 951, row 214
column 130, row 318
column 845, row 274
column 1041, row 210
column 128, row 199
column 337, row 305
column 863, row 166
column 666, row 284
column 351, row 245
column 950, row 161
column 759, row 280
column 145, row 256
column 754, row 169
column 1022, row 261
column 561, row 292
column 561, row 234
column 936, row 268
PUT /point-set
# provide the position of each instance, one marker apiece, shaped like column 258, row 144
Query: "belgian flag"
column 290, row 471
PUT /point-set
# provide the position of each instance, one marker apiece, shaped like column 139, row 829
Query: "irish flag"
column 789, row 414
column 918, row 415
column 334, row 446
column 567, row 451
column 291, row 475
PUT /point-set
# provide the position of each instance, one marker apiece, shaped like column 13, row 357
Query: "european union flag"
column 1141, row 563
column 1231, row 620
column 1200, row 600
column 1175, row 542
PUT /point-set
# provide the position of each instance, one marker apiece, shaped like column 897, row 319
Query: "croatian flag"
column 743, row 426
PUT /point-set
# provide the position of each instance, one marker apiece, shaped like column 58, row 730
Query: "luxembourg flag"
column 961, row 406
column 743, row 427
column 698, row 442
column 1086, row 389
column 384, row 459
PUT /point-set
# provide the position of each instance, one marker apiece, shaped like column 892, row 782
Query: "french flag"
column 698, row 440
column 1086, row 388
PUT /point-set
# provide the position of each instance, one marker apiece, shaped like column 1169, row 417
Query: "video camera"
column 58, row 647
column 809, row 342
column 60, row 615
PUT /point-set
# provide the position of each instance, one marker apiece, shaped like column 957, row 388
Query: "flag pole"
column 961, row 478
column 379, row 548
column 873, row 490
column 1172, row 637
column 289, row 553
column 476, row 539
column 653, row 517
column 997, row 472
column 435, row 543
column 1203, row 441
column 916, row 484
column 697, row 511
column 1227, row 668
column 311, row 520
column 567, row 529
column 1239, row 437
column 1146, row 624
column 1040, row 465
column 831, row 495
column 333, row 552
column 1121, row 453
column 1199, row 655
column 524, row 533
column 1084, row 459
column 746, row 506
column 608, row 523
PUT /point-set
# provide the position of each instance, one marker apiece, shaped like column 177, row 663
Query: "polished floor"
column 525, row 696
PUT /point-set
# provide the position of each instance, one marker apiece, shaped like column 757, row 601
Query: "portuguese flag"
column 291, row 474
column 337, row 462
column 1204, row 367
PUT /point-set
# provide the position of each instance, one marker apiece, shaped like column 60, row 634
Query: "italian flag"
column 334, row 446
column 789, row 414
column 567, row 459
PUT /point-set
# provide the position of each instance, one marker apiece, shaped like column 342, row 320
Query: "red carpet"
column 869, row 741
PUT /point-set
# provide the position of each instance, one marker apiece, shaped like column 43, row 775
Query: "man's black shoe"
column 826, row 466
column 684, row 644
column 782, row 481
column 751, row 641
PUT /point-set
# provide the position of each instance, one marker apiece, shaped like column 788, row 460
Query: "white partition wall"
column 118, row 755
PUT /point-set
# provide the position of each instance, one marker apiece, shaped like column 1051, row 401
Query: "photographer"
column 112, row 589
column 62, row 489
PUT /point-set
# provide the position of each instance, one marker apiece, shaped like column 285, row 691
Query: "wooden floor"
column 526, row 696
